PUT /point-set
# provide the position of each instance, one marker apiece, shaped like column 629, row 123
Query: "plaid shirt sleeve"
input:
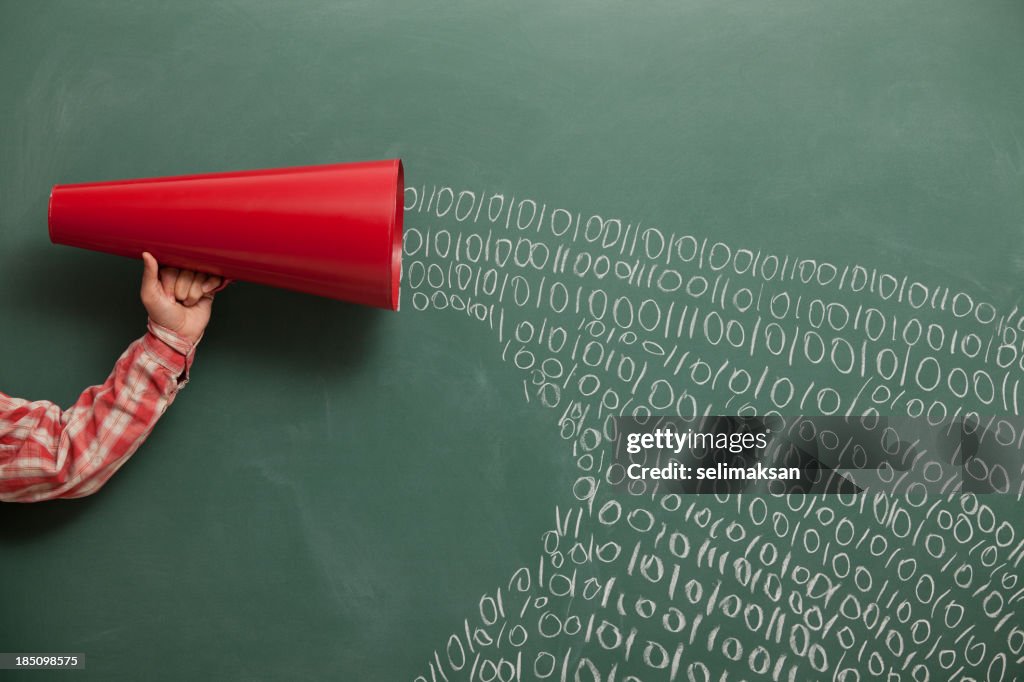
column 48, row 453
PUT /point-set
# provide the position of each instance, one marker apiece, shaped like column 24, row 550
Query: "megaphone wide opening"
column 396, row 237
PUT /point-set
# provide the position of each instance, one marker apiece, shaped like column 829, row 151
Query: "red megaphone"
column 333, row 230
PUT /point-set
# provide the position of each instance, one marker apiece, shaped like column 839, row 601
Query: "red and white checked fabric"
column 48, row 453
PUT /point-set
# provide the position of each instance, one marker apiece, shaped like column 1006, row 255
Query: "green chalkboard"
column 807, row 206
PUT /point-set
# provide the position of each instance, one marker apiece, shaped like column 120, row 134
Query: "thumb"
column 150, row 273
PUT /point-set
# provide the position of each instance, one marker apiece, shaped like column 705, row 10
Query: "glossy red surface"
column 331, row 230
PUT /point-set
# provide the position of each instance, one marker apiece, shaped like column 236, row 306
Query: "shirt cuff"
column 172, row 351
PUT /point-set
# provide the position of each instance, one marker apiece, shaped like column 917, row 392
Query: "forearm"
column 47, row 453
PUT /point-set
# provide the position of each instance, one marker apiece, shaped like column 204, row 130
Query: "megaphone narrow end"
column 49, row 215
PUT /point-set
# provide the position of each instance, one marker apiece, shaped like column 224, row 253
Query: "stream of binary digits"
column 607, row 316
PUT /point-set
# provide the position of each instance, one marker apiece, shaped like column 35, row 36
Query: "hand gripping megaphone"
column 331, row 230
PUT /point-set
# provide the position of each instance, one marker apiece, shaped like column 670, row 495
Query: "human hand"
column 180, row 300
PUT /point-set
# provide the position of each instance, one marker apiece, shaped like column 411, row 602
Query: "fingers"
column 183, row 284
column 168, row 278
column 187, row 287
column 195, row 290
column 191, row 287
column 212, row 282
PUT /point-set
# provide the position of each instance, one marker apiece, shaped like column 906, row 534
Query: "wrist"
column 182, row 342
column 172, row 350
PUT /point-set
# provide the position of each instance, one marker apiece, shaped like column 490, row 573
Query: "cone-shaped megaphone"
column 332, row 230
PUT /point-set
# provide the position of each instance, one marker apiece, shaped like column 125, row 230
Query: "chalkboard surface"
column 803, row 206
